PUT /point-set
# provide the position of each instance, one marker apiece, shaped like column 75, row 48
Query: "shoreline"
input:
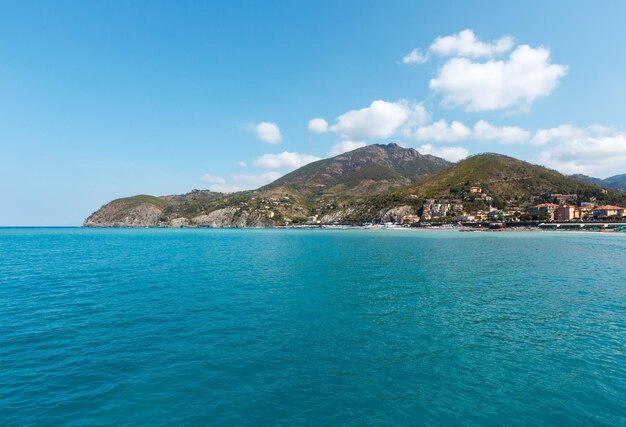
column 375, row 228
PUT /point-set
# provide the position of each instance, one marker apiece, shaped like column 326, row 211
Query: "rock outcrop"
column 117, row 215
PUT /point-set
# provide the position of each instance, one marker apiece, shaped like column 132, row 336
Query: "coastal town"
column 560, row 207
column 478, row 209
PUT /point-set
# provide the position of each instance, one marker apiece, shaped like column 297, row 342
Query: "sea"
column 198, row 327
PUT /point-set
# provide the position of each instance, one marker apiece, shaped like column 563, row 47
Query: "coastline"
column 465, row 229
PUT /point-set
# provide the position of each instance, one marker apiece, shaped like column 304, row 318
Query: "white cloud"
column 591, row 150
column 453, row 154
column 240, row 182
column 417, row 115
column 284, row 160
column 345, row 146
column 517, row 82
column 250, row 180
column 268, row 132
column 502, row 134
column 318, row 125
column 416, row 56
column 212, row 179
column 441, row 131
column 380, row 120
column 466, row 43
column 226, row 188
column 561, row 133
column 242, row 164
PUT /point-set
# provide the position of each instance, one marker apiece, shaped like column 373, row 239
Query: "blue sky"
column 100, row 100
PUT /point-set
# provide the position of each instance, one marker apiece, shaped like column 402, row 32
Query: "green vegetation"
column 361, row 185
column 133, row 201
column 505, row 178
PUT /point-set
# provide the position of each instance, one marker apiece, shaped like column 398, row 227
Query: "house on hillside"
column 608, row 211
column 563, row 199
column 544, row 208
column 495, row 215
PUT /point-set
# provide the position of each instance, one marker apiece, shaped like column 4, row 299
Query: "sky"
column 100, row 100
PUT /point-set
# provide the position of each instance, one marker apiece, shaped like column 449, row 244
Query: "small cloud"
column 561, row 133
column 242, row 164
column 212, row 179
column 318, row 125
column 284, row 160
column 484, row 131
column 268, row 132
column 380, row 120
column 345, row 146
column 465, row 43
column 453, row 154
column 251, row 180
column 441, row 131
column 241, row 182
column 416, row 56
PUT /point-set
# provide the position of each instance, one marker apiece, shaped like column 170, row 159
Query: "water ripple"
column 289, row 327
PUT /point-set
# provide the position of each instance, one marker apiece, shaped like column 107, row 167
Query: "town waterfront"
column 311, row 327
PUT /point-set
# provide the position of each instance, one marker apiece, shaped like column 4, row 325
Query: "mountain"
column 373, row 183
column 503, row 176
column 617, row 182
column 319, row 189
column 368, row 170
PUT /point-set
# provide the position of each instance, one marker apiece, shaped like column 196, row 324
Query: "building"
column 584, row 212
column 495, row 215
column 475, row 189
column 435, row 208
column 481, row 215
column 544, row 208
column 608, row 211
column 566, row 213
column 563, row 199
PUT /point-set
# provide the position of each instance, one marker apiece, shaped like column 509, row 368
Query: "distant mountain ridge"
column 617, row 182
column 372, row 183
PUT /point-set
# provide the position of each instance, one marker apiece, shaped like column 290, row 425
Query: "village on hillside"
column 473, row 206
column 558, row 207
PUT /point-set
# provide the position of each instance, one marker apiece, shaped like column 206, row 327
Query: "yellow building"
column 607, row 211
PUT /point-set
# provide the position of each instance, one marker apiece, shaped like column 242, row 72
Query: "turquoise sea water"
column 310, row 327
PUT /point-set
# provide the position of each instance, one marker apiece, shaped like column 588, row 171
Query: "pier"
column 597, row 226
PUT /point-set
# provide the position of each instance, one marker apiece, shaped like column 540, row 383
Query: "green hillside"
column 503, row 176
column 377, row 182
